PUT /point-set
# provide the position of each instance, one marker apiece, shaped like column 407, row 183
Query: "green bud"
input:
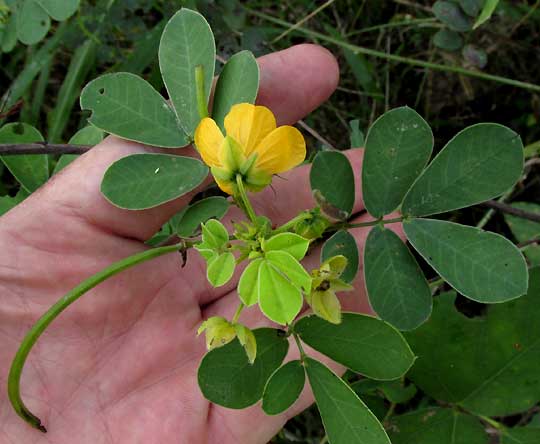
column 312, row 227
column 325, row 304
column 218, row 331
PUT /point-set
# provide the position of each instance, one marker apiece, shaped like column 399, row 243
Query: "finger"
column 293, row 82
column 286, row 198
column 268, row 426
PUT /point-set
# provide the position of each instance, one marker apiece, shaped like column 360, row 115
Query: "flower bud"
column 218, row 332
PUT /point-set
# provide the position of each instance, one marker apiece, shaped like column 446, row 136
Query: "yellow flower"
column 253, row 147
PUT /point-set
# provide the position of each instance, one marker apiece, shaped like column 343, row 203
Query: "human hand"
column 121, row 364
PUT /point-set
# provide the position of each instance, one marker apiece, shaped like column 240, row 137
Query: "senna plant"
column 241, row 146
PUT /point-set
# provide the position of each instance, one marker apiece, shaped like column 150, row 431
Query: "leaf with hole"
column 482, row 266
column 362, row 343
column 398, row 147
column 228, row 379
column 187, row 42
column 238, row 82
column 396, row 286
column 127, row 106
column 190, row 220
column 30, row 170
column 487, row 365
column 436, row 426
column 283, row 388
column 479, row 163
column 342, row 243
column 33, row 22
column 147, row 180
column 332, row 177
column 346, row 418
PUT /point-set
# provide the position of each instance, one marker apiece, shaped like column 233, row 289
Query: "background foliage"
column 477, row 371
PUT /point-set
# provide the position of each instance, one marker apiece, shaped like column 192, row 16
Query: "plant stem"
column 290, row 224
column 245, row 200
column 201, row 96
column 491, row 422
column 300, row 348
column 400, row 59
column 8, row 149
column 39, row 327
column 237, row 314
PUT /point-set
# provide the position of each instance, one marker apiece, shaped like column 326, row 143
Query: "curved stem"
column 39, row 327
column 290, row 224
column 245, row 200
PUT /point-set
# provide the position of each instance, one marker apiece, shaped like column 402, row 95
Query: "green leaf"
column 127, row 106
column 479, row 163
column 237, row 83
column 279, row 299
column 397, row 289
column 9, row 38
column 283, row 388
column 141, row 181
column 520, row 435
column 291, row 243
column 452, row 16
column 89, row 135
column 471, row 7
column 33, row 22
column 332, row 176
column 436, row 426
column 31, row 170
column 487, row 365
column 59, row 9
column 291, row 268
column 248, row 286
column 342, row 243
column 487, row 12
column 228, row 379
column 448, row 40
column 187, row 42
column 346, row 418
column 482, row 266
column 362, row 343
column 191, row 218
column 525, row 230
column 357, row 136
column 220, row 269
column 398, row 147
column 396, row 392
column 474, row 56
column 80, row 65
column 214, row 234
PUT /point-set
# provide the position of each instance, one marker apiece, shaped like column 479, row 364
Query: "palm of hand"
column 120, row 366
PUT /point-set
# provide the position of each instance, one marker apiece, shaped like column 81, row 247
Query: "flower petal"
column 281, row 150
column 225, row 186
column 208, row 139
column 249, row 124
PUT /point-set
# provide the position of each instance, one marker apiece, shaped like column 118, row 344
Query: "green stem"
column 245, row 200
column 39, row 327
column 287, row 226
column 202, row 106
column 491, row 422
column 300, row 348
column 383, row 55
column 237, row 314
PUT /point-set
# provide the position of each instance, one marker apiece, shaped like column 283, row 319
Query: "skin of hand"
column 120, row 365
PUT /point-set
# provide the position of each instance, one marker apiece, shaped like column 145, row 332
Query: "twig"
column 528, row 242
column 396, row 58
column 508, row 209
column 315, row 134
column 12, row 149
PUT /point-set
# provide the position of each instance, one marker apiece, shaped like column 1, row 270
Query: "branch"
column 508, row 209
column 12, row 149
